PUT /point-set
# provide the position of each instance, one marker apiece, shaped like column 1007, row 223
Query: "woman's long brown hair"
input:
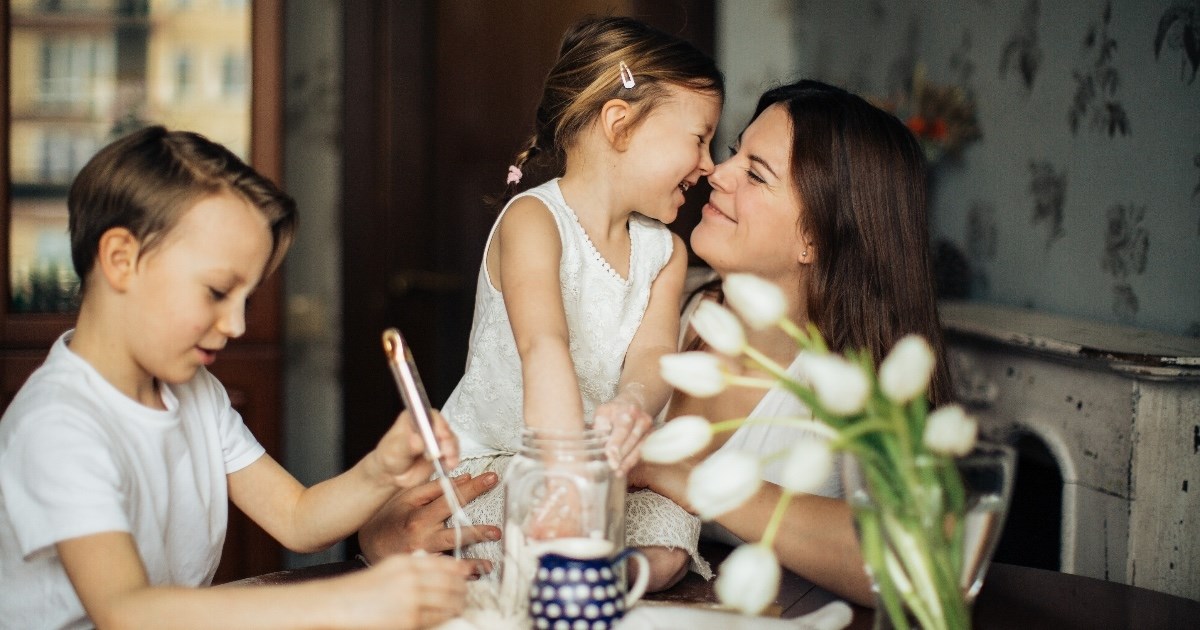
column 860, row 176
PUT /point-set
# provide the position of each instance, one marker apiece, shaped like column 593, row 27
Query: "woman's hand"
column 399, row 455
column 415, row 520
column 628, row 425
column 669, row 480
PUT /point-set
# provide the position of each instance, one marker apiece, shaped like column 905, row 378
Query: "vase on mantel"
column 928, row 531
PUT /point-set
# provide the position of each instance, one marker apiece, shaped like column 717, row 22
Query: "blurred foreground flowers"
column 912, row 533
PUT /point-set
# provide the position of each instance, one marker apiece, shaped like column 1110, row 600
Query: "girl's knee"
column 667, row 567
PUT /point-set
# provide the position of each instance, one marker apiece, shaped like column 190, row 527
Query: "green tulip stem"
column 749, row 381
column 855, row 431
column 727, row 425
column 815, row 426
column 767, row 363
column 802, row 338
column 772, row 529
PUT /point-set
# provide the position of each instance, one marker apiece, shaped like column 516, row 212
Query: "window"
column 183, row 75
column 233, row 74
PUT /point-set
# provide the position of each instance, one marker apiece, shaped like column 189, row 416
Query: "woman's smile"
column 712, row 211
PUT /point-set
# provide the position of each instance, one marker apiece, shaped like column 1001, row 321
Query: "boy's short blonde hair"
column 145, row 181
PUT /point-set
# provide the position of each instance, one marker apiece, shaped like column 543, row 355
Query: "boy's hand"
column 404, row 591
column 628, row 425
column 399, row 457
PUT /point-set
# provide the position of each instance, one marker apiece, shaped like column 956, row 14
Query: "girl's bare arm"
column 529, row 251
column 642, row 392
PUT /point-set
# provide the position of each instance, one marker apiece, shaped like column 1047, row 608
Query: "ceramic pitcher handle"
column 643, row 575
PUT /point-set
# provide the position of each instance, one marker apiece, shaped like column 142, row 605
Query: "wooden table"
column 1012, row 597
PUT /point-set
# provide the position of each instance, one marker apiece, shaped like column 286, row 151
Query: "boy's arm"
column 311, row 519
column 642, row 392
column 529, row 250
column 111, row 582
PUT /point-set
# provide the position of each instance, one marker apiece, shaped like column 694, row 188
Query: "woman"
column 825, row 197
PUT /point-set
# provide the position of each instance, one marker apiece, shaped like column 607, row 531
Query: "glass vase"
column 927, row 530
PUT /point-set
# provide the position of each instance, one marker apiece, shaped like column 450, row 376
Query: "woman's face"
column 750, row 223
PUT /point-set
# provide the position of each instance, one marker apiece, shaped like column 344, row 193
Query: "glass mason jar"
column 560, row 485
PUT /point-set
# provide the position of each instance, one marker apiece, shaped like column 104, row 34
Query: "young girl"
column 119, row 455
column 579, row 289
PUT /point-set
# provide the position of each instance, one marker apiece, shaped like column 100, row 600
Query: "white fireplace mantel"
column 1119, row 408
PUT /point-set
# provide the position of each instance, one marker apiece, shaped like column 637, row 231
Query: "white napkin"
column 831, row 616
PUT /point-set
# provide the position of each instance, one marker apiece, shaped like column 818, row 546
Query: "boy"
column 117, row 457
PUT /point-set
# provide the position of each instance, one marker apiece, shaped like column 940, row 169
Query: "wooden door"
column 438, row 98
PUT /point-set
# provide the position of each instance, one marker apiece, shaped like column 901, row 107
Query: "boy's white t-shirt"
column 78, row 457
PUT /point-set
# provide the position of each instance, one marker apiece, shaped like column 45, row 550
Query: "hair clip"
column 514, row 175
column 626, row 76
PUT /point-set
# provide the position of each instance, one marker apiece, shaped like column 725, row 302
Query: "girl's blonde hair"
column 587, row 74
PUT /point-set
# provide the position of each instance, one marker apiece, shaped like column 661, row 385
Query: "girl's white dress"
column 603, row 312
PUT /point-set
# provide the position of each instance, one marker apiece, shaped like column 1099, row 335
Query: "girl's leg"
column 667, row 567
column 667, row 534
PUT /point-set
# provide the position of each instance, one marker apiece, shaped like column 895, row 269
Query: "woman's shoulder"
column 697, row 277
column 695, row 290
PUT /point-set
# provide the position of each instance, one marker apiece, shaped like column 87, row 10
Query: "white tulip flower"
column 678, row 439
column 697, row 373
column 840, row 385
column 950, row 431
column 719, row 327
column 808, row 465
column 760, row 303
column 905, row 372
column 749, row 579
column 723, row 482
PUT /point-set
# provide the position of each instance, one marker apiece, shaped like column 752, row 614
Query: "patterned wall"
column 1082, row 197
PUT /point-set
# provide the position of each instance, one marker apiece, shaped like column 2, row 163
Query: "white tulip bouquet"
column 912, row 533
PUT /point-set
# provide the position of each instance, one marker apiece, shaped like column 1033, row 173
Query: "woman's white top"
column 603, row 312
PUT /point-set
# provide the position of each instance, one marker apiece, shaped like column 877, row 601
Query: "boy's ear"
column 116, row 257
column 615, row 117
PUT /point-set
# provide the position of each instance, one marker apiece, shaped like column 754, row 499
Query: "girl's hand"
column 399, row 457
column 628, row 425
column 558, row 513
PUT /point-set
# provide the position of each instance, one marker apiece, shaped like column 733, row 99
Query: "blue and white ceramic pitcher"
column 578, row 585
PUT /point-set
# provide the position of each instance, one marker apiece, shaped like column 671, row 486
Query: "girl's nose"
column 233, row 323
column 706, row 163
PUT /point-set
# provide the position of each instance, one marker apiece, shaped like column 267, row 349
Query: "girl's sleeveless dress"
column 603, row 312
